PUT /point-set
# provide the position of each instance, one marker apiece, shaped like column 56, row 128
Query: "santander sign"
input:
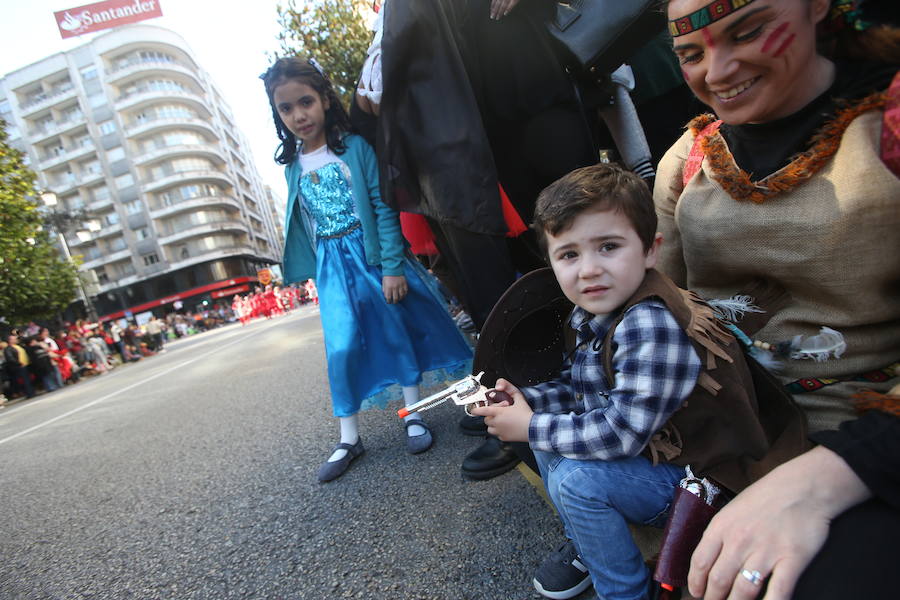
column 104, row 15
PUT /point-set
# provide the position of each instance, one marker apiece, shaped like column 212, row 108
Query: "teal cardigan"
column 384, row 243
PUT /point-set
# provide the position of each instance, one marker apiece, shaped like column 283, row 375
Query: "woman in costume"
column 794, row 183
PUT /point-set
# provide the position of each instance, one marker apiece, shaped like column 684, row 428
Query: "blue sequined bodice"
column 328, row 197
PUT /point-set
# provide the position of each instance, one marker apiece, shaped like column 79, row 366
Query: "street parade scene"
column 450, row 299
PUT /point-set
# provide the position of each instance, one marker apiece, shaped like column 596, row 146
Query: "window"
column 134, row 207
column 91, row 167
column 99, row 192
column 142, row 234
column 81, row 141
column 107, row 127
column 89, row 73
column 111, row 218
column 124, row 181
column 150, row 259
column 126, row 269
column 102, row 277
column 116, row 244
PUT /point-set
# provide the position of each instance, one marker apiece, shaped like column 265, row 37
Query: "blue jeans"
column 596, row 499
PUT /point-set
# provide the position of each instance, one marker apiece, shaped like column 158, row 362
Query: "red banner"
column 177, row 297
column 104, row 15
column 231, row 291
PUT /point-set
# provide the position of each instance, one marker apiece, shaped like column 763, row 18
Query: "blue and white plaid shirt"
column 579, row 415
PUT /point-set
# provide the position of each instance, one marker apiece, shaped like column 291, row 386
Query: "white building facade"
column 129, row 128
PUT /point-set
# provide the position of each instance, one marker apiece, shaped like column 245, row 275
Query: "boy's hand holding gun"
column 509, row 421
column 506, row 412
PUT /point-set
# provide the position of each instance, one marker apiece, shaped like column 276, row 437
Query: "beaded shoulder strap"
column 890, row 128
column 696, row 155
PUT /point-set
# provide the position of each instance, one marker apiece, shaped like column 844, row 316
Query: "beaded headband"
column 709, row 14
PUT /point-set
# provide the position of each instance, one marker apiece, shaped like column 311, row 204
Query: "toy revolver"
column 466, row 392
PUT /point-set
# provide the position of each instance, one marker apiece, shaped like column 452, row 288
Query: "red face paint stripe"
column 785, row 45
column 708, row 38
column 684, row 74
column 773, row 37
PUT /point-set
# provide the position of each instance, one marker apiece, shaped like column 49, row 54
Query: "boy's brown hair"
column 598, row 187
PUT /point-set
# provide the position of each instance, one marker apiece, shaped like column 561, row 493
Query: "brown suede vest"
column 738, row 423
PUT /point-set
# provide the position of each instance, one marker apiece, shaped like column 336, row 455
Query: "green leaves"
column 334, row 32
column 35, row 281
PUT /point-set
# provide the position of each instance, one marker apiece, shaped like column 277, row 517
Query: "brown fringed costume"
column 737, row 424
column 825, row 228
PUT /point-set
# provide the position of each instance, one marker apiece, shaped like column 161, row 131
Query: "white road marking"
column 129, row 387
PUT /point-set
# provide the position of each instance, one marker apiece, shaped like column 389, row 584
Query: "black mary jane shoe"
column 334, row 469
column 416, row 444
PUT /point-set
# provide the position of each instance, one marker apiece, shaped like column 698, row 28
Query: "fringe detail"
column 733, row 309
column 819, row 347
column 709, row 384
column 737, row 183
column 867, row 400
column 666, row 442
column 706, row 330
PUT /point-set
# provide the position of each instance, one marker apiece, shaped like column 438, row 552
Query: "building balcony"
column 213, row 253
column 100, row 205
column 47, row 99
column 148, row 96
column 210, row 151
column 107, row 258
column 107, row 231
column 149, row 67
column 203, row 229
column 69, row 153
column 192, row 204
column 38, row 134
column 209, row 175
column 186, row 122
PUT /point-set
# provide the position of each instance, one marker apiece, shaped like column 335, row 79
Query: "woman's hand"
column 509, row 423
column 776, row 526
column 394, row 288
column 501, row 8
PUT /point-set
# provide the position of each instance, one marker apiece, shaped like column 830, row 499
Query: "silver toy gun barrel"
column 465, row 392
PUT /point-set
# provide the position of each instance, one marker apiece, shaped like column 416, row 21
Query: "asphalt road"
column 191, row 474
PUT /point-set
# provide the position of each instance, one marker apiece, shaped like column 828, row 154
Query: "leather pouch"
column 688, row 518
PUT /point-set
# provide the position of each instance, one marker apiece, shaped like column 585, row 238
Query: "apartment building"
column 129, row 128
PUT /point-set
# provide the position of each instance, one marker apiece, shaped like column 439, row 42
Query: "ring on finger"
column 753, row 576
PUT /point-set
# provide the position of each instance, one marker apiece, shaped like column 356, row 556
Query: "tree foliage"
column 35, row 281
column 334, row 32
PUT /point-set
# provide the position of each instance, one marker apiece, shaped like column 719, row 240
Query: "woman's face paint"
column 773, row 37
column 756, row 65
column 777, row 43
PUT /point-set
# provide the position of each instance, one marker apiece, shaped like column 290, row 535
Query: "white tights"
column 350, row 425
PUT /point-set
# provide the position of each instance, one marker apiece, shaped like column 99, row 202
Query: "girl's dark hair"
column 337, row 122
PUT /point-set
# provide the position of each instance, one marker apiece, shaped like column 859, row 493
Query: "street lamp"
column 60, row 223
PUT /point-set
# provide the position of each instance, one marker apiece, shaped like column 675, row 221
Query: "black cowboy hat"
column 526, row 337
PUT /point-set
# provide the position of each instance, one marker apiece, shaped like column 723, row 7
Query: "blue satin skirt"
column 373, row 346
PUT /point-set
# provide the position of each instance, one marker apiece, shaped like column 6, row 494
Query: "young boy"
column 634, row 366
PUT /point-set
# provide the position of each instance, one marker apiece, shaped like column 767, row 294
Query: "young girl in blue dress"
column 382, row 319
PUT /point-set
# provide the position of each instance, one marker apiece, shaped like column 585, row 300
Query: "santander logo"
column 104, row 15
column 71, row 24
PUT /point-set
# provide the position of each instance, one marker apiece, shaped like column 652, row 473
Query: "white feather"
column 819, row 347
column 733, row 309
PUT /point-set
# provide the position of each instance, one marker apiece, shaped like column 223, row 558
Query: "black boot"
column 472, row 426
column 490, row 459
